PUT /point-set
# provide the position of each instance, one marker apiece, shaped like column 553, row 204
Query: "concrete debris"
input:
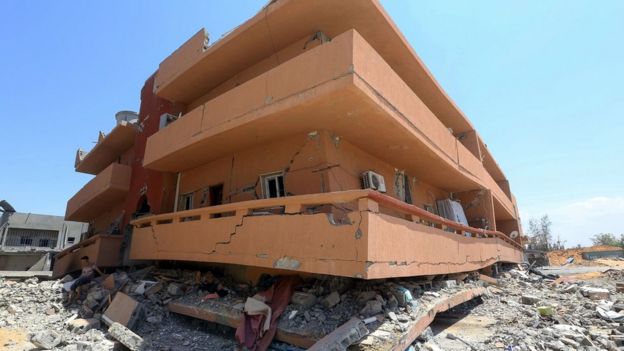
column 126, row 336
column 46, row 340
column 527, row 312
column 331, row 300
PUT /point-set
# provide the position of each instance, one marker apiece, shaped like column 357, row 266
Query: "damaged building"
column 309, row 139
column 28, row 241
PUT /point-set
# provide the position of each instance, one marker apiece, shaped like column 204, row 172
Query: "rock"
column 392, row 316
column 365, row 296
column 81, row 326
column 402, row 294
column 174, row 289
column 426, row 335
column 570, row 342
column 595, row 293
column 303, row 299
column 529, row 299
column 13, row 309
column 331, row 300
column 372, row 307
column 445, row 284
column 126, row 336
column 46, row 340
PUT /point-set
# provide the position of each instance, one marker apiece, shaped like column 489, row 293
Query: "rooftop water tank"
column 128, row 116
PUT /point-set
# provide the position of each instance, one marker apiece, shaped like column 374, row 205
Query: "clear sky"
column 543, row 81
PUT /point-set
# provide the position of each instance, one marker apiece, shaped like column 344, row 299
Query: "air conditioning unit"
column 372, row 180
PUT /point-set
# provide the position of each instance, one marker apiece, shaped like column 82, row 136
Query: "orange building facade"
column 310, row 139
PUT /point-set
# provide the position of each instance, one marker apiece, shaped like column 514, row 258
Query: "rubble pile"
column 37, row 307
column 534, row 313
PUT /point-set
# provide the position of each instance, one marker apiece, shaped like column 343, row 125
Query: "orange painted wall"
column 299, row 157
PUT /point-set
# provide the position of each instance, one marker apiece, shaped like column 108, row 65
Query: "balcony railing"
column 365, row 199
column 102, row 249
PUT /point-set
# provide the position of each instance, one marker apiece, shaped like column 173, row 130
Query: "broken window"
column 402, row 187
column 186, row 202
column 273, row 185
column 71, row 240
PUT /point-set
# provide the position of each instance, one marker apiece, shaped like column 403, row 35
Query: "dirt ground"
column 559, row 257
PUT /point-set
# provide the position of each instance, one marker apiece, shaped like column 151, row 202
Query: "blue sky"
column 541, row 80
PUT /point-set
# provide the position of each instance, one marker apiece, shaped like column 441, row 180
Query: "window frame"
column 264, row 181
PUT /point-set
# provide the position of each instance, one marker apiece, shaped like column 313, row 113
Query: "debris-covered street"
column 517, row 311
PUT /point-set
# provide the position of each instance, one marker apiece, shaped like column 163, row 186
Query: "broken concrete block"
column 372, row 307
column 303, row 299
column 13, row 309
column 448, row 284
column 402, row 294
column 46, row 340
column 529, row 299
column 595, row 293
column 331, row 300
column 126, row 336
column 365, row 296
column 341, row 338
column 123, row 309
column 175, row 290
column 81, row 326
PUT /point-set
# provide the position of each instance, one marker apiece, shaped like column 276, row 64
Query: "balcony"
column 108, row 187
column 196, row 68
column 107, row 150
column 343, row 86
column 103, row 250
column 377, row 237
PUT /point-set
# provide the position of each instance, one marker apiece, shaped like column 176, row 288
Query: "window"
column 26, row 241
column 273, row 185
column 44, row 242
column 186, row 202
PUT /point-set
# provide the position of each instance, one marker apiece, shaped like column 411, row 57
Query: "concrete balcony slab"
column 284, row 233
column 108, row 187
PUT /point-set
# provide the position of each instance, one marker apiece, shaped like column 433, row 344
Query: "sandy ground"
column 14, row 339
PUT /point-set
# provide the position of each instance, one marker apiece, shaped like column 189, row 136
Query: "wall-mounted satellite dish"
column 514, row 234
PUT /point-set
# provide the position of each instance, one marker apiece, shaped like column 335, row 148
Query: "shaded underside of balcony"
column 107, row 150
column 107, row 188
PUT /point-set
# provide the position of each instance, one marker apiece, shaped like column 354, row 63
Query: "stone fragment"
column 595, row 293
column 46, row 340
column 529, row 299
column 126, row 336
column 174, row 289
column 331, row 300
column 81, row 326
column 365, row 296
column 372, row 307
column 303, row 299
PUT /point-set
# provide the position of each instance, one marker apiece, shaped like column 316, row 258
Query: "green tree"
column 540, row 235
column 608, row 239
